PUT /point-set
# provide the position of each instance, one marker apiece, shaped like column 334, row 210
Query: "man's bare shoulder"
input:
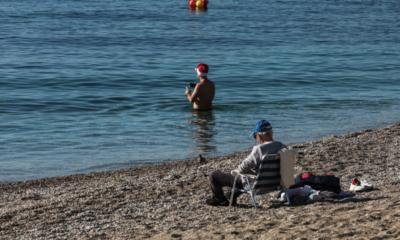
column 206, row 83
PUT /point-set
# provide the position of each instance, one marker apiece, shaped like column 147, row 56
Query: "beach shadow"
column 352, row 199
column 337, row 200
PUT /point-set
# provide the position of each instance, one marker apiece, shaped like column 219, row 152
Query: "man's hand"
column 188, row 91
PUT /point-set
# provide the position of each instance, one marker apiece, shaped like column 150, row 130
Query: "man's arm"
column 248, row 164
column 193, row 97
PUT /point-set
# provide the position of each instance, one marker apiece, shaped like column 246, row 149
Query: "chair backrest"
column 269, row 176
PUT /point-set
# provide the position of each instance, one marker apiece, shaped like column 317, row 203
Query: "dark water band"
column 194, row 109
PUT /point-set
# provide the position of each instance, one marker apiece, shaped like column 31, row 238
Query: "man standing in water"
column 204, row 91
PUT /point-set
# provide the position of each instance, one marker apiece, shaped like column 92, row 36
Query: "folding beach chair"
column 268, row 178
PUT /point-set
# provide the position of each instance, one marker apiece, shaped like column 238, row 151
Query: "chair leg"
column 251, row 192
column 287, row 195
column 233, row 191
column 254, row 201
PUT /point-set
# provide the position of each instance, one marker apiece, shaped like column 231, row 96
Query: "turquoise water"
column 99, row 85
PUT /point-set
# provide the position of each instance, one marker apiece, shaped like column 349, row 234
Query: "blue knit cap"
column 261, row 126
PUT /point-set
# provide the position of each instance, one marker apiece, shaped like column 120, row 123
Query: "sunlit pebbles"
column 167, row 201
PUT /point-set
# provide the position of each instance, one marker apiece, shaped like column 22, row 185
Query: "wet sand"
column 166, row 201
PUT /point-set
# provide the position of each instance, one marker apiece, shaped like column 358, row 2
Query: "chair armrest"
column 236, row 172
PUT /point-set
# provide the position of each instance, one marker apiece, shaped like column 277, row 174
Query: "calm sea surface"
column 98, row 85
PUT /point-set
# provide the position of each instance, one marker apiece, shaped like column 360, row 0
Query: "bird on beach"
column 202, row 160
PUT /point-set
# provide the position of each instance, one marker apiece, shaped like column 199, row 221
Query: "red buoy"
column 192, row 3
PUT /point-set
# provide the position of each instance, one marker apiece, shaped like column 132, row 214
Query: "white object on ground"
column 327, row 194
column 296, row 191
column 366, row 184
column 315, row 197
column 356, row 186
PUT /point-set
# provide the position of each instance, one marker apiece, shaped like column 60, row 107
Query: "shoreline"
column 166, row 200
column 166, row 161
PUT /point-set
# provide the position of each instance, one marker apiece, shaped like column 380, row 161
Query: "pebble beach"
column 167, row 201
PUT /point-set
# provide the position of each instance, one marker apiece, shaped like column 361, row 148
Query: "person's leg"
column 218, row 180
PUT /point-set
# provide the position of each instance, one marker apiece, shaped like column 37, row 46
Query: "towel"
column 287, row 162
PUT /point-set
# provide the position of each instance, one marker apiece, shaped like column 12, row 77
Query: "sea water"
column 98, row 85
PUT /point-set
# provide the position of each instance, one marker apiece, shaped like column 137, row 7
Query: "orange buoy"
column 192, row 3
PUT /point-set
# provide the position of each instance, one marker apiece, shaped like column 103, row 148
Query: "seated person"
column 264, row 135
